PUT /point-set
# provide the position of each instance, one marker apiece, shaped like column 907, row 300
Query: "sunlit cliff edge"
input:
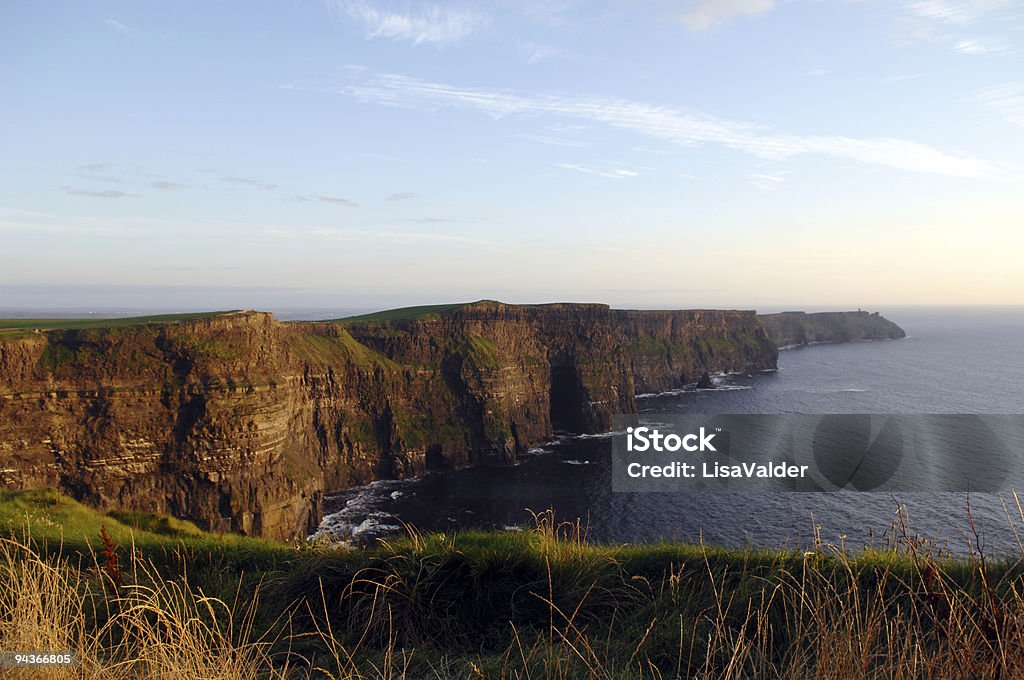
column 240, row 422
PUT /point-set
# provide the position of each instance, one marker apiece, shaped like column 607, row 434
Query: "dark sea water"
column 954, row 360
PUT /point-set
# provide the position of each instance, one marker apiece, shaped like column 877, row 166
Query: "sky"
column 648, row 153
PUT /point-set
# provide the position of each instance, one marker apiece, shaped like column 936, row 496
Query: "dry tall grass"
column 825, row 616
column 151, row 628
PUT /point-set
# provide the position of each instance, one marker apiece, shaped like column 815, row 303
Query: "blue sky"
column 733, row 153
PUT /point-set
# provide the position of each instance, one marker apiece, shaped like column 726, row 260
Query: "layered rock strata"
column 242, row 423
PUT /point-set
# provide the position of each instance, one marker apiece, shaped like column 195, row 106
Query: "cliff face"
column 793, row 329
column 241, row 423
column 192, row 420
column 670, row 349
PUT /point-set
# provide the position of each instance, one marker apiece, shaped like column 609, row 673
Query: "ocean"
column 954, row 360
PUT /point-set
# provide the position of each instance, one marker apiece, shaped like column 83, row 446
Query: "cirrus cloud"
column 433, row 24
column 685, row 128
column 713, row 12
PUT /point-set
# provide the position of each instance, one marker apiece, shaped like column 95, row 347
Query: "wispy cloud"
column 434, row 24
column 767, row 181
column 980, row 46
column 334, row 200
column 537, row 52
column 108, row 179
column 904, row 77
column 116, row 25
column 168, row 186
column 682, row 128
column 104, row 193
column 656, row 152
column 250, row 182
column 402, row 196
column 972, row 27
column 98, row 172
column 943, row 11
column 552, row 141
column 611, row 173
column 710, row 13
column 1006, row 100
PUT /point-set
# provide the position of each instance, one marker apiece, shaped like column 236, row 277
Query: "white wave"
column 362, row 512
column 597, row 435
column 692, row 387
column 668, row 393
column 341, row 529
column 376, row 524
column 726, row 388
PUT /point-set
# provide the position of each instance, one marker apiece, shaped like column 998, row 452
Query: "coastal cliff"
column 796, row 329
column 241, row 423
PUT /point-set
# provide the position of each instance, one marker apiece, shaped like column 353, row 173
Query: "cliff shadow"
column 567, row 399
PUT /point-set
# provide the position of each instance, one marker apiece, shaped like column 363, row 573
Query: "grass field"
column 23, row 327
column 159, row 598
column 404, row 313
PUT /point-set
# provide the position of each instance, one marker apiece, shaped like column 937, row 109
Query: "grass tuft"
column 151, row 597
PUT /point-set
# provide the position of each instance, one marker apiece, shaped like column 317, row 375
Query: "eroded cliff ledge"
column 241, row 423
column 795, row 329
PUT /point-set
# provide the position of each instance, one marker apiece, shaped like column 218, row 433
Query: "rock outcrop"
column 796, row 329
column 241, row 423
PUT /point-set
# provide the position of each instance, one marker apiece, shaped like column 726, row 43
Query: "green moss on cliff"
column 334, row 349
column 413, row 430
column 75, row 350
column 658, row 348
column 405, row 313
column 208, row 348
column 648, row 345
column 482, row 353
column 57, row 355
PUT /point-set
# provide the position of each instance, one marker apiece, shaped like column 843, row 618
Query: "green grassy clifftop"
column 158, row 596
